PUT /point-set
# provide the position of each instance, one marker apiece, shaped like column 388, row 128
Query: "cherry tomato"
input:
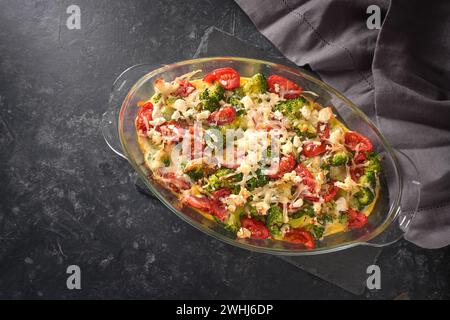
column 331, row 191
column 310, row 149
column 146, row 111
column 287, row 164
column 171, row 131
column 356, row 219
column 299, row 235
column 207, row 205
column 185, row 88
column 284, row 87
column 175, row 182
column 357, row 142
column 357, row 172
column 220, row 193
column 323, row 130
column 222, row 116
column 228, row 78
column 307, row 177
column 257, row 228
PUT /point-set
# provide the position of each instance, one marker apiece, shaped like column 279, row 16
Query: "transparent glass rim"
column 394, row 209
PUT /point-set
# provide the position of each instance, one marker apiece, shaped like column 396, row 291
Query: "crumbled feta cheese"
column 306, row 112
column 287, row 147
column 180, row 105
column 278, row 115
column 325, row 114
column 341, row 204
column 298, row 203
column 247, row 102
column 203, row 115
column 336, row 136
column 317, row 207
column 158, row 121
column 176, row 115
column 347, row 185
column 243, row 233
column 297, row 142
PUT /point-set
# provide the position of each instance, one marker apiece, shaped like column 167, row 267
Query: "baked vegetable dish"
column 258, row 155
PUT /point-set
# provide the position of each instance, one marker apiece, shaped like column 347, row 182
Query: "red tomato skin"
column 306, row 176
column 227, row 77
column 289, row 89
column 222, row 116
column 220, row 193
column 257, row 228
column 356, row 173
column 299, row 235
column 356, row 219
column 311, row 149
column 323, row 130
column 145, row 111
column 175, row 182
column 331, row 193
column 355, row 141
column 206, row 204
column 287, row 164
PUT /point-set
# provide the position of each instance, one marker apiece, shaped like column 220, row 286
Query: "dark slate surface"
column 66, row 199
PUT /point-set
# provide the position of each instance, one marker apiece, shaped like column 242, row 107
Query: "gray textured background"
column 66, row 199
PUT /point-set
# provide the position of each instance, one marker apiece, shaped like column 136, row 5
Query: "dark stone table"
column 66, row 199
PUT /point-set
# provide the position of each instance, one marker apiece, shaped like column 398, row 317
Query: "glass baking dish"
column 400, row 186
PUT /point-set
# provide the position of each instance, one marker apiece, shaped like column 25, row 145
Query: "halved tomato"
column 222, row 116
column 299, row 235
column 228, row 78
column 185, row 88
column 356, row 219
column 330, row 192
column 357, row 172
column 144, row 115
column 355, row 141
column 307, row 177
column 282, row 86
column 257, row 228
column 220, row 193
column 287, row 164
column 323, row 131
column 176, row 183
column 206, row 204
column 311, row 149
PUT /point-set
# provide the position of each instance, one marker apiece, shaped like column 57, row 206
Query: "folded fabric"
column 399, row 75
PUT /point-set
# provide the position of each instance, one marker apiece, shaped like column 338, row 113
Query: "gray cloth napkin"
column 399, row 76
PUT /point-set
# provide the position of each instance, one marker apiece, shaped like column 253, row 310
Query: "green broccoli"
column 156, row 98
column 235, row 101
column 274, row 219
column 196, row 173
column 258, row 181
column 165, row 160
column 233, row 221
column 364, row 197
column 339, row 159
column 315, row 230
column 256, row 84
column 215, row 182
column 167, row 112
column 306, row 210
column 211, row 97
column 291, row 108
column 305, row 129
column 371, row 171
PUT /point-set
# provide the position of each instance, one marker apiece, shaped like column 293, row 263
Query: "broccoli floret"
column 211, row 97
column 364, row 197
column 215, row 183
column 306, row 210
column 374, row 163
column 315, row 230
column 339, row 159
column 256, row 84
column 165, row 160
column 291, row 108
column 305, row 129
column 235, row 101
column 170, row 100
column 371, row 171
column 233, row 221
column 274, row 219
column 368, row 179
column 258, row 181
column 156, row 98
column 195, row 173
column 167, row 112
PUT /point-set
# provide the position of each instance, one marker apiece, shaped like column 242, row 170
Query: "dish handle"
column 119, row 90
column 409, row 204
